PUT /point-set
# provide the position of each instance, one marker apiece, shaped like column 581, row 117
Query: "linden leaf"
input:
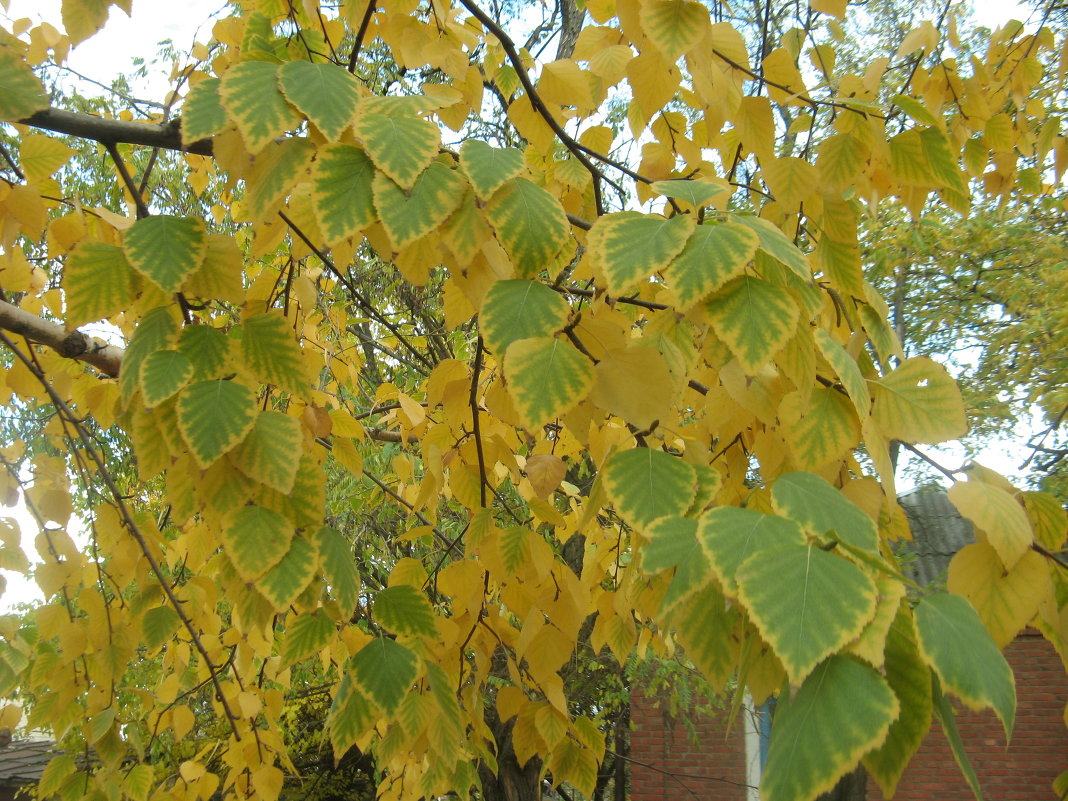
column 674, row 26
column 635, row 384
column 351, row 715
column 325, row 93
column 97, row 282
column 306, row 635
column 255, row 103
column 166, row 249
column 277, row 168
column 546, row 377
column 777, row 244
column 713, row 255
column 256, row 539
column 400, row 146
column 157, row 330
column 410, row 214
column 729, row 535
column 385, row 670
column 820, row 430
column 157, row 626
column 203, row 114
column 489, row 168
column 213, row 416
column 530, row 223
column 163, row 373
column 21, row 92
column 997, row 514
column 341, row 191
column 754, row 318
column 645, row 484
column 918, row 402
column 821, row 508
column 403, row 609
column 266, row 454
column 629, row 247
column 520, row 309
column 271, row 352
column 339, row 567
column 40, row 156
column 283, row 583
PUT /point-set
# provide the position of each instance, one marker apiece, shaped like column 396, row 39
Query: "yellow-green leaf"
column 713, row 255
column 271, row 352
column 629, row 247
column 342, row 194
column 997, row 514
column 403, row 609
column 277, row 168
column 254, row 101
column 283, row 583
column 730, row 535
column 401, row 146
column 410, row 214
column 530, row 224
column 213, row 416
column 546, row 377
column 325, row 93
column 256, row 539
column 821, row 508
column 674, row 26
column 21, row 92
column 203, row 114
column 266, row 454
column 385, row 670
column 820, row 430
column 489, row 168
column 97, row 281
column 918, row 402
column 520, row 309
column 166, row 249
column 163, row 373
column 754, row 319
column 645, row 484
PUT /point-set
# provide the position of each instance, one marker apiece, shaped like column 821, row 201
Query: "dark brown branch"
column 167, row 136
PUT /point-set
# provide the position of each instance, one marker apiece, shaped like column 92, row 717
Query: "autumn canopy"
column 460, row 351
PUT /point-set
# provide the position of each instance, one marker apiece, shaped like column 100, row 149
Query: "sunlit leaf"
column 530, row 224
column 730, row 535
column 213, row 416
column 546, row 377
column 256, row 539
column 630, row 247
column 255, row 103
column 325, row 93
column 754, row 318
column 713, row 255
column 400, row 146
column 166, row 249
column 918, row 402
column 645, row 484
column 21, row 93
column 98, row 282
column 520, row 309
column 489, row 168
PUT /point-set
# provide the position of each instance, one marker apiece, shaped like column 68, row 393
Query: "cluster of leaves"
column 613, row 407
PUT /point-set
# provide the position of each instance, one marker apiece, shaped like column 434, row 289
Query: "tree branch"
column 71, row 344
column 167, row 136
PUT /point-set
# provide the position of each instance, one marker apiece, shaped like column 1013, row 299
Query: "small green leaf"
column 400, row 146
column 807, row 603
column 341, row 191
column 283, row 583
column 410, row 214
column 673, row 544
column 955, row 643
column 97, row 282
column 256, row 539
column 325, row 93
column 306, row 634
column 629, row 246
column 645, row 484
column 385, row 670
column 546, row 377
column 777, row 245
column 754, row 319
column 843, row 710
column 21, row 92
column 405, row 610
column 351, row 715
column 946, row 717
column 203, row 114
column 255, row 103
column 157, row 626
column 713, row 255
column 165, row 249
column 821, row 508
column 489, row 168
column 520, row 309
column 157, row 330
column 339, row 568
column 697, row 193
column 730, row 535
column 163, row 373
column 213, row 416
column 530, row 223
column 271, row 352
column 266, row 454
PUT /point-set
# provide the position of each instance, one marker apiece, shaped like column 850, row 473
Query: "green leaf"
column 163, row 373
column 157, row 626
column 254, row 101
column 405, row 610
column 21, row 92
column 530, row 223
column 277, row 168
column 139, row 782
column 674, row 26
column 266, row 454
column 165, row 249
column 325, row 93
column 284, row 582
column 256, row 539
column 703, row 626
column 341, row 191
column 918, row 402
column 914, row 109
column 306, row 634
column 848, row 371
column 351, row 716
column 339, row 568
column 410, row 214
column 55, row 774
column 730, row 535
column 385, row 670
column 944, row 711
column 157, row 330
column 271, row 352
column 843, row 710
column 754, row 319
column 997, row 514
column 400, row 146
column 777, row 245
column 955, row 643
column 910, row 679
column 673, row 544
column 520, row 309
column 629, row 246
column 546, row 377
column 213, row 416
column 713, row 255
column 807, row 603
column 203, row 114
column 489, row 168
column 220, row 276
column 697, row 193
column 207, row 349
column 645, row 484
column 97, row 282
column 820, row 430
column 821, row 508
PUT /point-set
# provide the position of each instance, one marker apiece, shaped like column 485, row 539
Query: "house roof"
column 938, row 532
column 22, row 761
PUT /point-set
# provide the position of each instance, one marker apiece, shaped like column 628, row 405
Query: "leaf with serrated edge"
column 698, row 193
column 207, row 349
column 203, row 114
column 255, row 103
column 546, row 377
column 277, row 169
column 820, row 430
column 325, row 93
column 306, row 635
column 997, row 514
column 213, row 416
column 271, row 352
column 385, row 670
column 673, row 544
column 163, row 373
column 403, row 609
column 489, row 168
column 520, row 309
column 918, row 402
column 674, row 26
column 776, row 244
column 409, row 215
column 351, row 715
column 21, row 92
column 256, row 539
column 165, row 249
column 530, row 224
column 266, row 454
column 955, row 644
column 629, row 246
column 97, row 283
column 820, row 507
column 157, row 330
column 842, row 711
column 754, row 319
column 807, row 603
column 400, row 146
column 283, row 583
column 645, row 484
column 730, row 535
column 158, row 625
column 341, row 191
column 339, row 567
column 713, row 255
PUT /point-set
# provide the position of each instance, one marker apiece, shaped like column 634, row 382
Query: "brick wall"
column 665, row 759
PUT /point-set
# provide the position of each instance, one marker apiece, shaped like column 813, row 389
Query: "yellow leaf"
column 635, row 384
column 997, row 515
column 545, row 473
column 40, row 156
column 836, row 8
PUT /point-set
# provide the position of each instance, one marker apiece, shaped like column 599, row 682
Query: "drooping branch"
column 71, row 344
column 167, row 136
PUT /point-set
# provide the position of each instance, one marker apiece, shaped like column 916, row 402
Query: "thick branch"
column 87, row 126
column 71, row 344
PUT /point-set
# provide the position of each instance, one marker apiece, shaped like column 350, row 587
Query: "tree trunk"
column 512, row 782
column 851, row 787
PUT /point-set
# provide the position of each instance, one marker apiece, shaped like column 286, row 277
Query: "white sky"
column 111, row 53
